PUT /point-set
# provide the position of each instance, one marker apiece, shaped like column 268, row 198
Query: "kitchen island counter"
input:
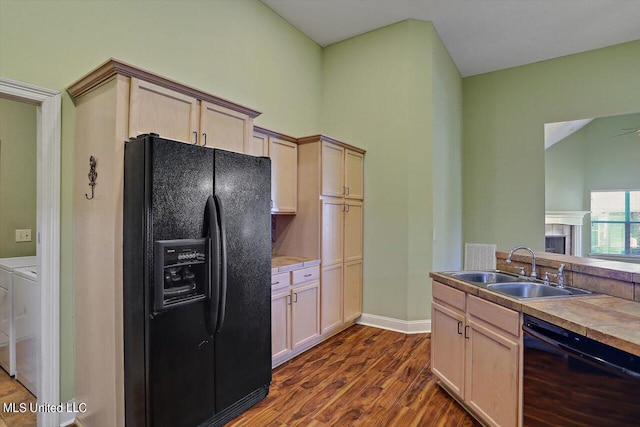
column 608, row 319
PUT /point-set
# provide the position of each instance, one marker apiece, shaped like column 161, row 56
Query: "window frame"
column 627, row 223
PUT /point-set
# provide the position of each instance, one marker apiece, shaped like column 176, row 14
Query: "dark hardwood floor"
column 11, row 391
column 361, row 377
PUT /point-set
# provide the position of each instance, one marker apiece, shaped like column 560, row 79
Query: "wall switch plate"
column 23, row 235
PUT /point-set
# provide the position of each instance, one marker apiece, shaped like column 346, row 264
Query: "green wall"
column 237, row 49
column 396, row 93
column 18, row 156
column 564, row 174
column 593, row 158
column 504, row 115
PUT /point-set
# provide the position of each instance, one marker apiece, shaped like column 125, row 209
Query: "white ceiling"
column 556, row 132
column 480, row 35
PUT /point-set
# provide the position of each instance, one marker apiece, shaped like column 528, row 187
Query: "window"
column 615, row 223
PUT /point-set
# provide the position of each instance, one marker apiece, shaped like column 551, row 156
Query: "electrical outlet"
column 23, row 235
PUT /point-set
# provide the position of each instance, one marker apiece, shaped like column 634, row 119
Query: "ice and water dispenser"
column 181, row 272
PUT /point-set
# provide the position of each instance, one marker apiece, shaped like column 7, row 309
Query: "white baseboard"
column 68, row 418
column 397, row 325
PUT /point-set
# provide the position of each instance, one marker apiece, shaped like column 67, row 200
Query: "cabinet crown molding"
column 320, row 137
column 273, row 134
column 112, row 67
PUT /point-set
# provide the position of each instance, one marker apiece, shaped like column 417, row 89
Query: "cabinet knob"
column 347, row 191
column 288, row 299
column 466, row 328
column 195, row 137
column 295, row 294
column 204, row 137
column 459, row 325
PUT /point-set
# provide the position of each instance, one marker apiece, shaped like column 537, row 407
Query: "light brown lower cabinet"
column 475, row 350
column 352, row 290
column 295, row 313
column 332, row 283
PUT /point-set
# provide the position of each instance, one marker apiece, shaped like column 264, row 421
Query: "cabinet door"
column 448, row 347
column 354, row 175
column 4, row 311
column 352, row 290
column 155, row 109
column 306, row 314
column 332, row 231
column 332, row 170
column 224, row 128
column 331, row 297
column 492, row 375
column 280, row 324
column 258, row 145
column 353, row 231
column 284, row 175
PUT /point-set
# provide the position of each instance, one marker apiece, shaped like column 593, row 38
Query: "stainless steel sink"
column 524, row 290
column 484, row 277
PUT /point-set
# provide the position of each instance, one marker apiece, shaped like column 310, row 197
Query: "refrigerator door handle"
column 223, row 263
column 212, row 234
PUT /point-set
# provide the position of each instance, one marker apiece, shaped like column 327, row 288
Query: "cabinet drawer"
column 305, row 275
column 495, row 315
column 448, row 295
column 279, row 281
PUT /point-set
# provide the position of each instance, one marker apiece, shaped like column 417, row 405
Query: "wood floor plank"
column 361, row 377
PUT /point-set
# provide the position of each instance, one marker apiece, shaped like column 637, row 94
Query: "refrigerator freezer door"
column 169, row 374
column 243, row 343
column 181, row 377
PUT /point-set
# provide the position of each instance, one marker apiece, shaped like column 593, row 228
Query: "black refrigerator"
column 197, row 288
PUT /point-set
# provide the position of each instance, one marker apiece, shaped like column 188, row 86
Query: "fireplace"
column 555, row 244
column 563, row 232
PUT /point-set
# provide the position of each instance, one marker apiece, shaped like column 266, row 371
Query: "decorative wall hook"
column 93, row 175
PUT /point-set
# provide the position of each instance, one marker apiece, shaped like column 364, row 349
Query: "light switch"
column 23, row 235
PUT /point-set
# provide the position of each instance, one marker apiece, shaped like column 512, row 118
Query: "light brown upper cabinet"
column 224, row 128
column 332, row 170
column 330, row 217
column 114, row 102
column 173, row 114
column 342, row 172
column 284, row 175
column 283, row 151
column 258, row 145
column 156, row 109
column 353, row 174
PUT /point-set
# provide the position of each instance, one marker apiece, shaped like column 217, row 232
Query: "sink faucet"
column 533, row 259
column 561, row 276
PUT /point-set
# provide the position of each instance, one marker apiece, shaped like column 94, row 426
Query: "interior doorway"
column 47, row 237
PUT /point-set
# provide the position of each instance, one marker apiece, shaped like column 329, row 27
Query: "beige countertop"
column 284, row 263
column 611, row 320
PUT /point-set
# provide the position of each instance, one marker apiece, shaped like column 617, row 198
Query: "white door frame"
column 48, row 104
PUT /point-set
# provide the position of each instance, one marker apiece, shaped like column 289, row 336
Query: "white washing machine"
column 27, row 318
column 7, row 323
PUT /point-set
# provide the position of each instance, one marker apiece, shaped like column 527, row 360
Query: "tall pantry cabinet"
column 114, row 102
column 328, row 225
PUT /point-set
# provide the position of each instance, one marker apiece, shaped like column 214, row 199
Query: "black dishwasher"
column 572, row 380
